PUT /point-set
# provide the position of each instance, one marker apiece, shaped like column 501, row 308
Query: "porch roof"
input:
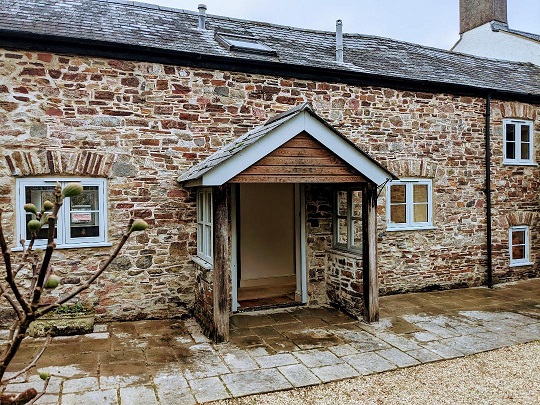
column 235, row 157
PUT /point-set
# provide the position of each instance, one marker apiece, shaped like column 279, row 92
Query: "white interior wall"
column 266, row 233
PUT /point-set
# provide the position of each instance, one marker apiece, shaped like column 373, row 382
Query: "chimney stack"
column 339, row 41
column 202, row 16
column 474, row 13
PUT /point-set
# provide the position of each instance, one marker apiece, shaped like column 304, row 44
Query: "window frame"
column 410, row 224
column 518, row 124
column 526, row 261
column 205, row 225
column 63, row 239
column 349, row 217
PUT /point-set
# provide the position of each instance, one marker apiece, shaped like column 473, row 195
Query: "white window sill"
column 201, row 262
column 411, row 228
column 71, row 246
column 338, row 250
column 521, row 264
column 517, row 163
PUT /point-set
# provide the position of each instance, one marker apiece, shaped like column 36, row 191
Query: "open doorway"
column 268, row 261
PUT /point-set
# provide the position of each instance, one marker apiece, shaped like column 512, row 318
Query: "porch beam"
column 222, row 274
column 369, row 271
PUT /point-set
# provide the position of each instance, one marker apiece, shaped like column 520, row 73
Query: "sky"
column 427, row 22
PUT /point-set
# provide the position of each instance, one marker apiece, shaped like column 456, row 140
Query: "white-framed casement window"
column 82, row 220
column 518, row 142
column 409, row 204
column 348, row 219
column 204, row 225
column 518, row 240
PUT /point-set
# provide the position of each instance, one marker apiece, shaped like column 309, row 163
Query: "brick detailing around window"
column 59, row 162
column 423, row 168
column 521, row 218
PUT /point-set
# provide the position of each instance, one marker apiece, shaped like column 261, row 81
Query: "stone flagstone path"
column 172, row 362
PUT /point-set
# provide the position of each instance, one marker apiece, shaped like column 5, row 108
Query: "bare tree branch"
column 5, row 294
column 9, row 272
column 32, row 364
column 87, row 284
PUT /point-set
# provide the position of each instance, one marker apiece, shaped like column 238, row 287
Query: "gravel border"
column 506, row 376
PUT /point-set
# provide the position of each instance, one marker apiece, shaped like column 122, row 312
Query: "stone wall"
column 344, row 282
column 140, row 124
column 515, row 194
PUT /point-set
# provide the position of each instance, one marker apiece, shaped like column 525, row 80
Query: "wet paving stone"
column 368, row 363
column 335, row 372
column 255, row 382
column 208, row 389
column 276, row 360
column 397, row 357
column 317, row 357
column 172, row 362
column 299, row 375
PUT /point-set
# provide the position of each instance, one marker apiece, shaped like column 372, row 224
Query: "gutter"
column 489, row 264
column 23, row 40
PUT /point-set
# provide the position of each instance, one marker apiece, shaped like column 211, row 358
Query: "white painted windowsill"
column 204, row 264
column 70, row 246
column 411, row 228
column 521, row 264
column 513, row 163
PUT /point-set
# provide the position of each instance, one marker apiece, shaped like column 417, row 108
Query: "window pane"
column 397, row 193
column 510, row 150
column 518, row 252
column 518, row 237
column 84, row 224
column 525, row 148
column 420, row 192
column 357, row 204
column 37, row 195
column 397, row 214
column 525, row 133
column 84, row 215
column 420, row 212
column 342, row 203
column 88, row 200
column 510, row 132
column 208, row 208
column 200, row 208
column 342, row 231
column 357, row 234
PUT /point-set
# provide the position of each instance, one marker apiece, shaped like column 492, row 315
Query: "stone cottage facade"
column 127, row 98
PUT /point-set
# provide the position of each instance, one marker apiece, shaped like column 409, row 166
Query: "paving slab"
column 424, row 355
column 103, row 397
column 398, row 357
column 255, row 382
column 369, row 363
column 138, row 395
column 238, row 360
column 317, row 357
column 276, row 360
column 208, row 389
column 299, row 375
column 80, row 385
column 335, row 372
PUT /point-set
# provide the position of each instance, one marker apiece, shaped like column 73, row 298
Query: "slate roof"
column 152, row 27
column 251, row 137
column 499, row 26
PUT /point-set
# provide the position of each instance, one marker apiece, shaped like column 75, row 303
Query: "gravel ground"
column 505, row 376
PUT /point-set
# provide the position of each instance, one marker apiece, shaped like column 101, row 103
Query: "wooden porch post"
column 369, row 257
column 222, row 260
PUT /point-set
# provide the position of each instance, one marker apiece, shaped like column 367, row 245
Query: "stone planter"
column 62, row 325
